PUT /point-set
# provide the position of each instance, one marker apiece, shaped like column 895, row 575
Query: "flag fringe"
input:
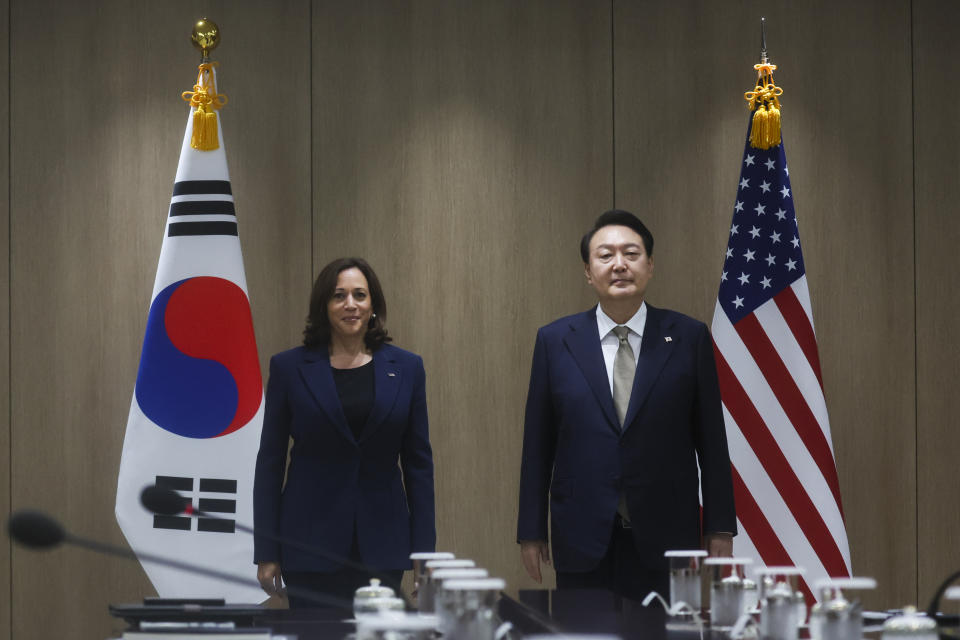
column 205, row 101
column 764, row 101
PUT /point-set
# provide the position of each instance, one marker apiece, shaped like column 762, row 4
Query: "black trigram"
column 184, row 212
column 213, row 505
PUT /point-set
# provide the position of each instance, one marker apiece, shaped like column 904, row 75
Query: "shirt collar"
column 636, row 324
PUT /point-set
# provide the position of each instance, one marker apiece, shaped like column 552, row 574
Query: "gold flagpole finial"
column 204, row 98
column 764, row 100
column 205, row 37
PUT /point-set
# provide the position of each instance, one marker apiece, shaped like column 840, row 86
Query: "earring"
column 374, row 316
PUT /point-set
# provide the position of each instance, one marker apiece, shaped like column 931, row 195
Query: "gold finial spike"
column 205, row 37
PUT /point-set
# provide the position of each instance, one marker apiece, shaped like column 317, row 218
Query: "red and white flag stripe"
column 785, row 480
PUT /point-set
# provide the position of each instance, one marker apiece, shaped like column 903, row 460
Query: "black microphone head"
column 35, row 529
column 163, row 502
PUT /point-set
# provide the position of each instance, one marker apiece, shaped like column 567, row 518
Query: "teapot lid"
column 680, row 553
column 456, row 574
column 478, row 584
column 910, row 622
column 450, row 564
column 397, row 621
column 374, row 590
column 724, row 562
column 432, row 555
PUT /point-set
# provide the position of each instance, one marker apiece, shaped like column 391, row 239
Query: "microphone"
column 164, row 502
column 167, row 502
column 37, row 530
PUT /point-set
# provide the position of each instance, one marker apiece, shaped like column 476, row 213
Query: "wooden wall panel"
column 99, row 121
column 937, row 305
column 463, row 148
column 5, row 451
column 266, row 60
column 680, row 120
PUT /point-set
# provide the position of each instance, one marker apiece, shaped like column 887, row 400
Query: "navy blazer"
column 574, row 450
column 336, row 483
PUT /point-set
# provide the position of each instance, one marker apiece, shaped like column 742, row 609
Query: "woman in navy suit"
column 354, row 406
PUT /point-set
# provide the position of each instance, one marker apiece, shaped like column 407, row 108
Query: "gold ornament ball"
column 205, row 35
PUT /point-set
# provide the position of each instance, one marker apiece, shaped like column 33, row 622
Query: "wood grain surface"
column 6, row 451
column 680, row 120
column 463, row 148
column 98, row 126
column 936, row 172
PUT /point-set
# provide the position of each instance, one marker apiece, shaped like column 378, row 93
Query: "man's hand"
column 416, row 578
column 268, row 574
column 720, row 545
column 533, row 552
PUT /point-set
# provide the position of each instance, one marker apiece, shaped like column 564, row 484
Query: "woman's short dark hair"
column 317, row 333
column 621, row 218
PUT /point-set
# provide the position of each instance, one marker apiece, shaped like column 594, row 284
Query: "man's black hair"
column 621, row 218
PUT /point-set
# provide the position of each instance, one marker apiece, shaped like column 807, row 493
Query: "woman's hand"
column 269, row 575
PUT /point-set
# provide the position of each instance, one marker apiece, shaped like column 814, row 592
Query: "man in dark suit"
column 622, row 413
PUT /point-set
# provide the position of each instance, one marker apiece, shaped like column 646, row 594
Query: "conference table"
column 576, row 611
column 532, row 612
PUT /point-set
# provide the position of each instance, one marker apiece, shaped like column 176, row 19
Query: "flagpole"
column 763, row 42
column 787, row 492
column 197, row 412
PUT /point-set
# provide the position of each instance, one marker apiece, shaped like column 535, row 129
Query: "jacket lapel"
column 387, row 376
column 655, row 350
column 318, row 377
column 584, row 344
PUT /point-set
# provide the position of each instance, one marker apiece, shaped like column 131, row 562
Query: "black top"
column 356, row 390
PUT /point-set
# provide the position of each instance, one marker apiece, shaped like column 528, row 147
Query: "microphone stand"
column 156, row 500
column 935, row 605
column 122, row 552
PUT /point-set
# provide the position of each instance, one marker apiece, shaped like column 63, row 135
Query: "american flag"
column 785, row 479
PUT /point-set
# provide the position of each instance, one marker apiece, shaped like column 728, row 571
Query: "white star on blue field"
column 764, row 188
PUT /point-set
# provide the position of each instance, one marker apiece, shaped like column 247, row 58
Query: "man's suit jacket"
column 573, row 446
column 336, row 482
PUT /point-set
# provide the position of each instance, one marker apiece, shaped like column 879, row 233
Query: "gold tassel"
column 774, row 125
column 757, row 130
column 764, row 101
column 211, row 139
column 205, row 101
column 196, row 138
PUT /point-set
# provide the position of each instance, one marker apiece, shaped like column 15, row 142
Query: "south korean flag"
column 197, row 409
